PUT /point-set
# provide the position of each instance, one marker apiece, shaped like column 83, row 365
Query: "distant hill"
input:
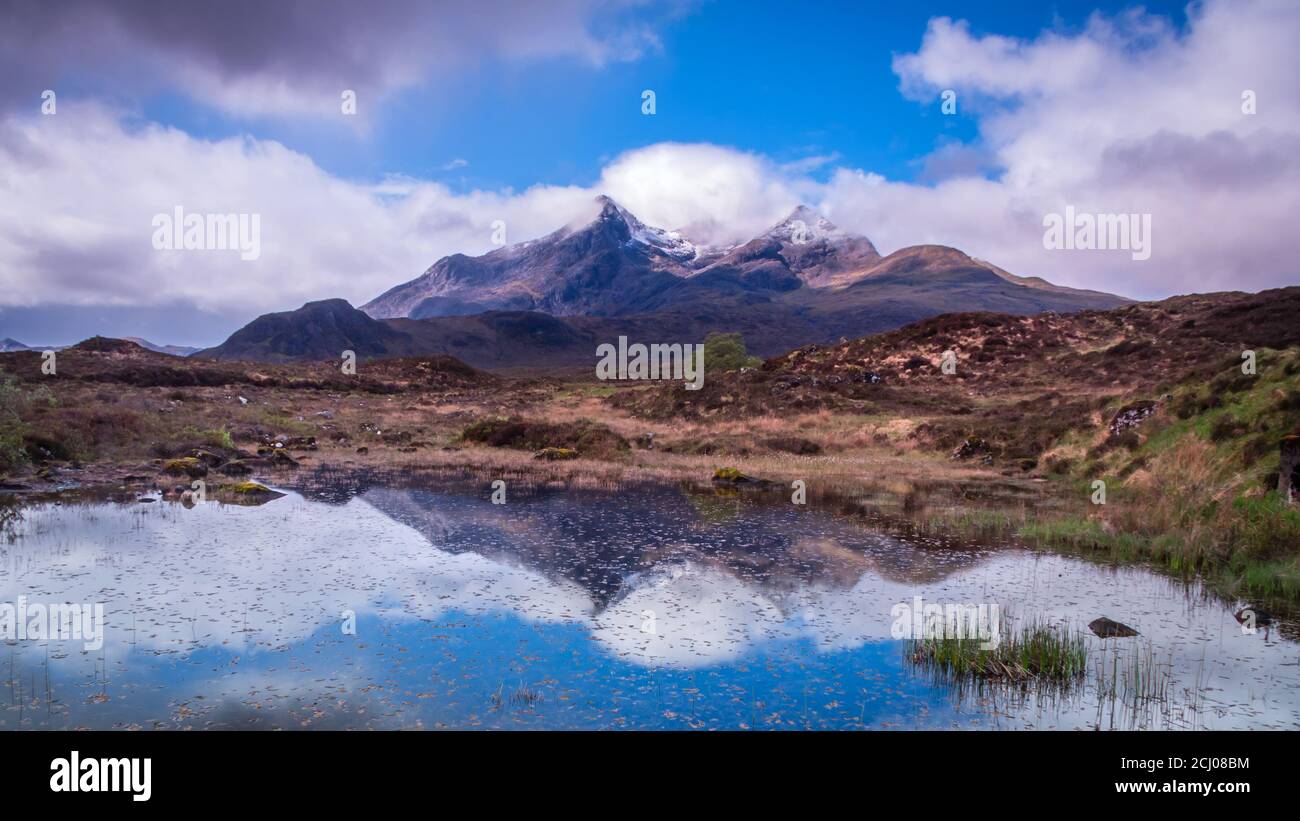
column 316, row 331
column 170, row 350
column 8, row 345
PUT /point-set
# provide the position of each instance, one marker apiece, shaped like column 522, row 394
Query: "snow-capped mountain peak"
column 671, row 243
column 805, row 225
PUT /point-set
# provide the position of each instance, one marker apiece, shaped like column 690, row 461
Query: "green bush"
column 13, row 401
column 1266, row 525
column 726, row 352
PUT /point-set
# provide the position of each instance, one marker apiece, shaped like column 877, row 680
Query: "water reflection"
column 650, row 607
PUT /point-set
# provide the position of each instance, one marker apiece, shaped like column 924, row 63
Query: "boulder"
column 246, row 493
column 185, row 466
column 732, row 476
column 1111, row 629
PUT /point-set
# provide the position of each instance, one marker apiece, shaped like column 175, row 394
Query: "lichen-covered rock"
column 1131, row 415
column 733, row 476
column 185, row 466
column 246, row 493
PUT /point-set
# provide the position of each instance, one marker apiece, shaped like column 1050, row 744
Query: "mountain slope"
column 316, row 331
column 601, row 267
column 803, row 249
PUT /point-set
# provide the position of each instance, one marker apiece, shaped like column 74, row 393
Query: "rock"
column 207, row 457
column 1131, row 415
column 185, row 466
column 246, row 493
column 973, row 447
column 363, row 450
column 235, row 468
column 732, row 476
column 281, row 459
column 1262, row 618
column 1108, row 628
column 1288, row 477
column 243, row 401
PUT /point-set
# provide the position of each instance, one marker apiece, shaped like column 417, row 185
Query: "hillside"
column 1020, row 382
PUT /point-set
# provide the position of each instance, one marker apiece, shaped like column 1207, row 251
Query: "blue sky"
column 787, row 80
column 473, row 112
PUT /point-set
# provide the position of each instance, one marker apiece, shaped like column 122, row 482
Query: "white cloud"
column 1127, row 115
column 251, row 57
column 81, row 190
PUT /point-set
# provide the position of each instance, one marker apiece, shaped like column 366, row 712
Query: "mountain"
column 615, row 265
column 316, row 331
column 170, row 350
column 803, row 249
column 551, row 301
column 605, row 266
column 8, row 345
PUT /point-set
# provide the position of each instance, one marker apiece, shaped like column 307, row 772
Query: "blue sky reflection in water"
column 568, row 609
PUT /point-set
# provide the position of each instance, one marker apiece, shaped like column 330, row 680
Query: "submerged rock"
column 1261, row 618
column 1109, row 628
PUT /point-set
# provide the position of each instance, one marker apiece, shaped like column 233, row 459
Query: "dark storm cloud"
column 255, row 56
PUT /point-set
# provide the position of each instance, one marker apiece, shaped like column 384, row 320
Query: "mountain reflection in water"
column 653, row 606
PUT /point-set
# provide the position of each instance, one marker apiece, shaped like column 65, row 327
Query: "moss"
column 185, row 466
column 733, row 476
column 247, row 487
column 247, row 494
column 556, row 454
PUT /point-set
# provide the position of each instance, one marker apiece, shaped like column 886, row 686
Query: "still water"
column 360, row 603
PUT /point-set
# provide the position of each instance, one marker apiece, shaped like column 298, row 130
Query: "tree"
column 726, row 352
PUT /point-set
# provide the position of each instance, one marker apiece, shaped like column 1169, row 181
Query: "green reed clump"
column 1032, row 652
